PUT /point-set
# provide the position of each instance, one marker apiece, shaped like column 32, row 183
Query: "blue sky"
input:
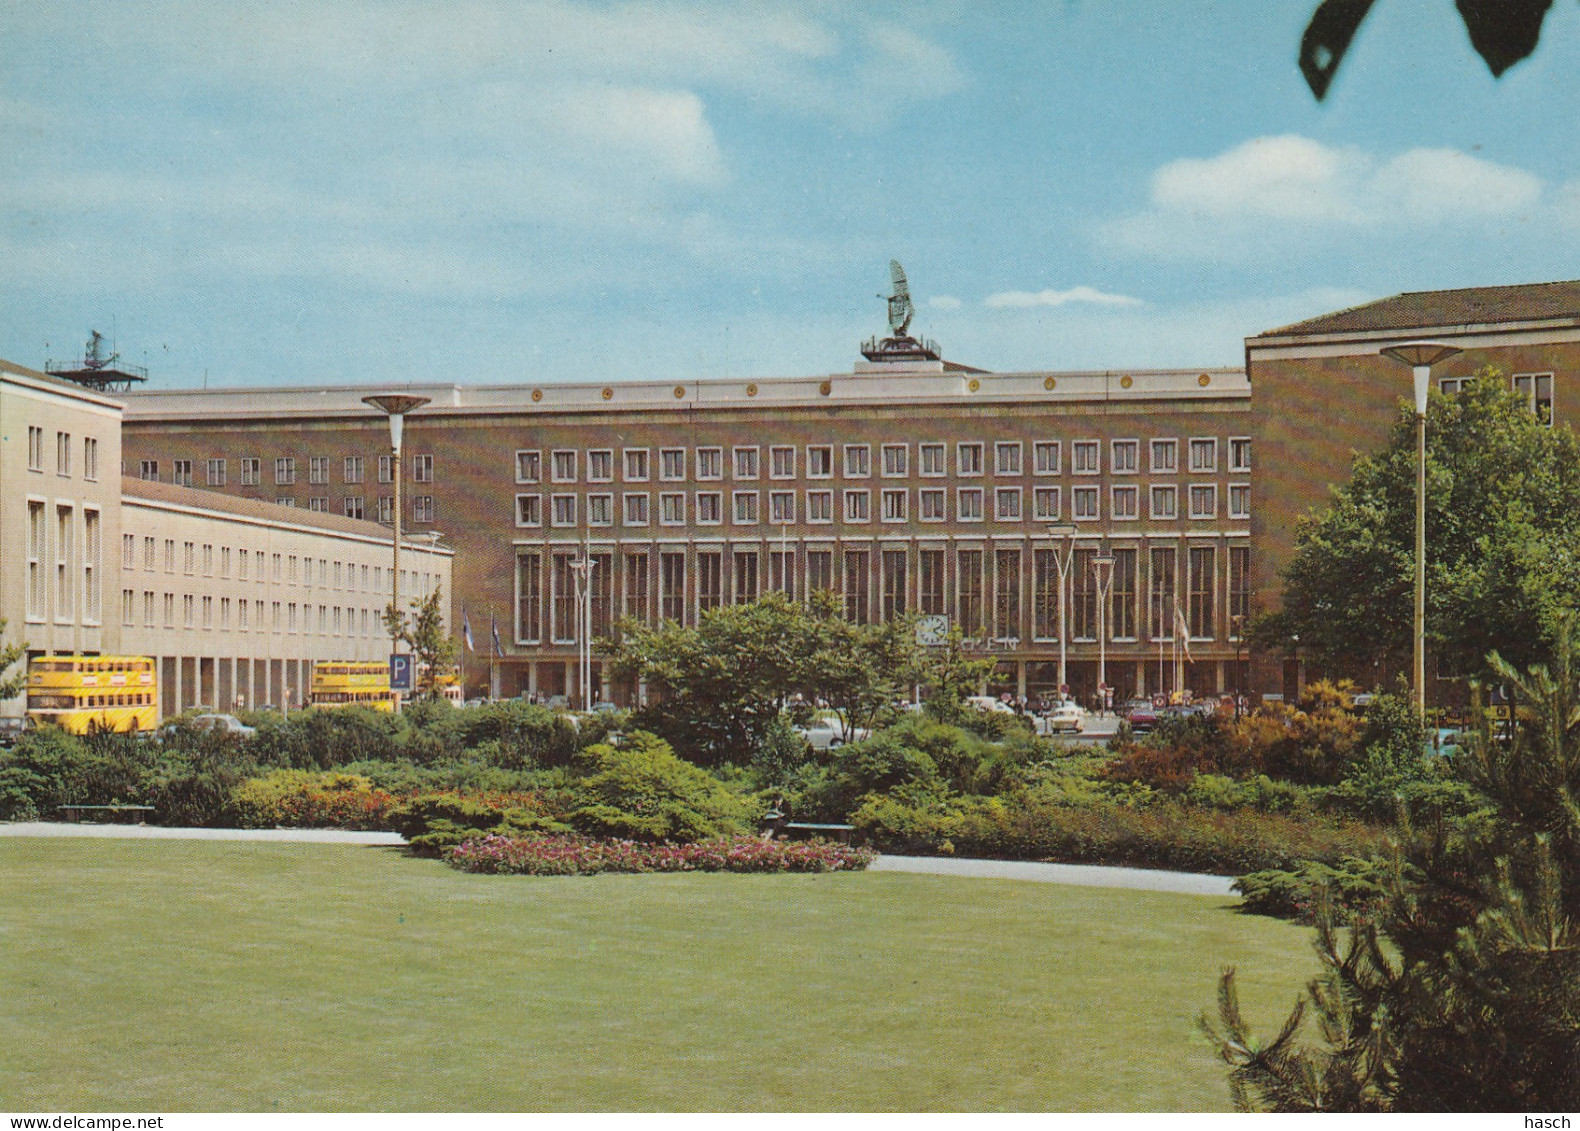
column 545, row 190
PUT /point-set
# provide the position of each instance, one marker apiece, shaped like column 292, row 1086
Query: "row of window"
column 255, row 565
column 249, row 615
column 893, row 460
column 63, row 452
column 1536, row 388
column 892, row 505
column 217, row 471
column 70, row 557
column 1161, row 591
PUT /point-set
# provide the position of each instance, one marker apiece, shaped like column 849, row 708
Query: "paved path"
column 1083, row 875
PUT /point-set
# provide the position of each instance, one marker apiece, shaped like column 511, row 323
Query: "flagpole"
column 493, row 656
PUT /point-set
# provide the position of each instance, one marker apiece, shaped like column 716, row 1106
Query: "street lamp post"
column 1420, row 357
column 583, row 568
column 1103, row 564
column 1061, row 558
column 395, row 406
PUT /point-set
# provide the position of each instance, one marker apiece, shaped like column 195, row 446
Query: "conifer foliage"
column 1461, row 990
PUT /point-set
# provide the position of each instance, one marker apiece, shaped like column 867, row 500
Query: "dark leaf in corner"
column 1327, row 38
column 1502, row 31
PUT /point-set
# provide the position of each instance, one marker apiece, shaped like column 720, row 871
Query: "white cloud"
column 1270, row 193
column 1082, row 294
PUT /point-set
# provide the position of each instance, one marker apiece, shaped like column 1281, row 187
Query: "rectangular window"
column 353, row 506
column 285, row 500
column 930, row 504
column 745, row 576
column 781, row 572
column 858, row 461
column 819, row 571
column 710, row 580
column 781, row 463
column 148, row 608
column 1122, row 596
column 894, row 505
column 1165, row 457
column 1204, row 455
column 189, row 610
column 1239, row 590
column 1203, row 576
column 968, row 459
column 601, row 597
column 529, row 466
column 1537, row 389
column 636, row 506
column 224, row 613
column 710, row 506
column 1086, row 456
column 636, row 586
column 894, row 582
column 745, row 508
column 1045, row 457
column 1006, row 504
column 930, row 582
column 1006, row 458
column 1083, row 595
column 896, row 460
column 1124, row 503
column 351, row 469
column 820, row 462
column 1006, row 594
column 63, row 455
column 1045, row 500
column 968, row 504
column 215, row 472
column 710, row 463
column 820, row 506
column 147, row 469
column 1240, row 453
column 1162, row 607
column 318, row 470
column 224, row 561
column 318, row 503
column 564, row 467
column 65, row 605
column 35, row 450
column 208, row 611
column 858, row 583
column 1045, row 594
column 672, row 464
column 781, row 507
column 747, row 462
column 1203, row 501
column 285, row 470
column 600, row 466
column 1239, row 500
column 564, row 510
column 170, row 610
column 250, row 471
column 128, row 551
column 529, row 510
column 529, row 597
column 128, row 608
column 562, row 601
column 1123, row 454
column 636, row 465
column 386, row 509
column 422, row 508
column 1084, row 503
column 672, row 587
column 1164, row 502
column 181, row 473
column 90, row 458
column 858, row 506
column 600, row 510
column 931, row 457
column 170, row 555
column 672, row 509
column 208, row 559
column 968, row 588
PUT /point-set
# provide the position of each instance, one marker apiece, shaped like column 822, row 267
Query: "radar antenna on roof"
column 98, row 370
column 901, row 309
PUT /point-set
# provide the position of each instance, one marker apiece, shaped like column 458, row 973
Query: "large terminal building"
column 907, row 484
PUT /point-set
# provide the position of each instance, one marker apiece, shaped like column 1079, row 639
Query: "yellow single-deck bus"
column 352, row 683
column 80, row 693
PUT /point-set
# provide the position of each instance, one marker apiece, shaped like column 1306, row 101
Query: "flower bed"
column 578, row 856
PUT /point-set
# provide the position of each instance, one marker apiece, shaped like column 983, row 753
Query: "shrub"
column 526, row 736
column 879, row 764
column 1351, row 884
column 642, row 791
column 781, row 752
column 303, row 799
column 568, row 856
column 437, row 821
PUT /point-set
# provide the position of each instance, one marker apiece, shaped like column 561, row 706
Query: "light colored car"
column 1067, row 717
column 826, row 734
column 990, row 704
column 224, row 724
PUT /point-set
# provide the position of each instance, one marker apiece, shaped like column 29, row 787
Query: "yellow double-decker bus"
column 352, row 683
column 80, row 693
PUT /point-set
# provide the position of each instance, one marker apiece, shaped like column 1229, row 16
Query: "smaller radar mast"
column 99, row 370
column 899, row 345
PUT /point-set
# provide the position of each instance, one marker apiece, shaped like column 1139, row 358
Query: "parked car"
column 990, row 704
column 604, row 707
column 1067, row 717
column 1140, row 714
column 826, row 734
column 225, row 724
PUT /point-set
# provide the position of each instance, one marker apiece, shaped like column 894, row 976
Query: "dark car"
column 1140, row 714
column 11, row 729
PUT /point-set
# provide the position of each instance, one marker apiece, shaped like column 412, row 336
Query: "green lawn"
column 203, row 976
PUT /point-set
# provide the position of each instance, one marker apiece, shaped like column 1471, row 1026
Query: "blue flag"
column 466, row 631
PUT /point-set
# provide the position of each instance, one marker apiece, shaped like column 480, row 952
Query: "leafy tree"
column 1502, row 31
column 862, row 670
column 434, row 648
column 10, row 655
column 950, row 674
column 1503, row 542
column 1461, row 990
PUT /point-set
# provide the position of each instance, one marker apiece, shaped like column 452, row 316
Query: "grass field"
column 203, row 976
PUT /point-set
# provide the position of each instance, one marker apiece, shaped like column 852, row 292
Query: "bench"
column 794, row 830
column 127, row 813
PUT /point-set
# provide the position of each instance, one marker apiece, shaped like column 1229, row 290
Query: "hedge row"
column 577, row 856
